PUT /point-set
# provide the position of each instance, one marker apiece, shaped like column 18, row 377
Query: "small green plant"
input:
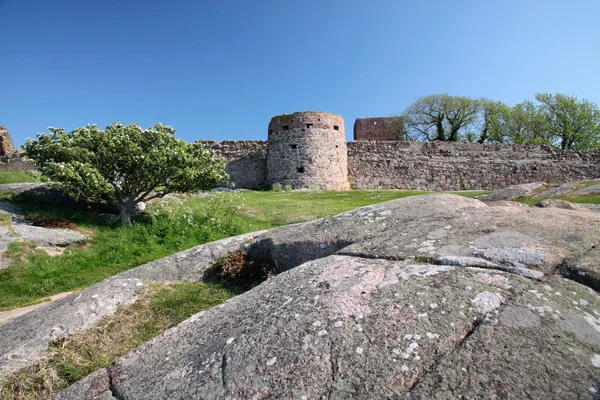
column 276, row 187
column 5, row 219
column 287, row 188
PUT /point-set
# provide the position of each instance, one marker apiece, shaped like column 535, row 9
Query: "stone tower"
column 308, row 150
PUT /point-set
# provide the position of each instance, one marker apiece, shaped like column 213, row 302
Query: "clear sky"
column 222, row 69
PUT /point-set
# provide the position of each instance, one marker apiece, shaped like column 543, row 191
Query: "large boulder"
column 433, row 296
column 513, row 192
column 543, row 190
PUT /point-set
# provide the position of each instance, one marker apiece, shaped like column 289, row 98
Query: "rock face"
column 21, row 229
column 513, row 192
column 6, row 143
column 542, row 190
column 434, row 296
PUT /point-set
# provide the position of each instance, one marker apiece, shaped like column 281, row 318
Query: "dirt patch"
column 53, row 223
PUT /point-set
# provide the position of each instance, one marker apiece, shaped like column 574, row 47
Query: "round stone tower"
column 308, row 150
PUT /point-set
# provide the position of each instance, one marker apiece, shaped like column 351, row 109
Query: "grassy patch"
column 111, row 249
column 593, row 182
column 5, row 219
column 74, row 357
column 592, row 198
column 281, row 208
column 19, row 177
column 7, row 195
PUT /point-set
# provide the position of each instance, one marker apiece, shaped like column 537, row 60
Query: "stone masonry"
column 442, row 166
column 377, row 164
column 308, row 150
column 246, row 161
column 381, row 128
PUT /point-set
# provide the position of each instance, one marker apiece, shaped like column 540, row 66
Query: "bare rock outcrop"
column 434, row 296
column 542, row 190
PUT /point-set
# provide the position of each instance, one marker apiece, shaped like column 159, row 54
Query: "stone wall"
column 14, row 164
column 308, row 150
column 246, row 161
column 433, row 166
column 458, row 166
column 382, row 128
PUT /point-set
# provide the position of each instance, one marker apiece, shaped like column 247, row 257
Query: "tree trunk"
column 441, row 135
column 125, row 216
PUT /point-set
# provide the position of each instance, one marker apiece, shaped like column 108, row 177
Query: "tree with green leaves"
column 123, row 165
column 522, row 124
column 489, row 122
column 440, row 117
column 574, row 124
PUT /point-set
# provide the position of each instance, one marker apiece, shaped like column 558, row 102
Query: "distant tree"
column 394, row 128
column 440, row 117
column 573, row 124
column 490, row 122
column 123, row 165
column 523, row 124
column 461, row 112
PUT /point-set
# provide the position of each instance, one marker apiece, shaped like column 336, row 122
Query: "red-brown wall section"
column 372, row 129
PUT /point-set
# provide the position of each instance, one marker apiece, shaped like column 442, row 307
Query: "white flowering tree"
column 123, row 165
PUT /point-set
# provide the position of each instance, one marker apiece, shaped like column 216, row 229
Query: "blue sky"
column 221, row 69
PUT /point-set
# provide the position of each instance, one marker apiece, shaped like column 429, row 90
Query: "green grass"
column 18, row 177
column 173, row 226
column 5, row 219
column 84, row 352
column 111, row 249
column 279, row 208
column 592, row 198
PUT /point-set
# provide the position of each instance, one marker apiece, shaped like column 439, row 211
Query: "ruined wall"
column 382, row 128
column 308, row 150
column 6, row 144
column 459, row 166
column 15, row 164
column 433, row 166
column 246, row 161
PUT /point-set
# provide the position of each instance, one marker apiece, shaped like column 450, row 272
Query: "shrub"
column 123, row 165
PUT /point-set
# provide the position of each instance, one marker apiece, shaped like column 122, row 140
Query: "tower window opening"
column 300, row 170
column 336, row 128
column 374, row 122
column 285, row 127
column 309, row 126
column 293, row 146
column 270, row 131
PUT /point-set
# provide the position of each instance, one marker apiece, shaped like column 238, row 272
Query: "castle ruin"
column 308, row 150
